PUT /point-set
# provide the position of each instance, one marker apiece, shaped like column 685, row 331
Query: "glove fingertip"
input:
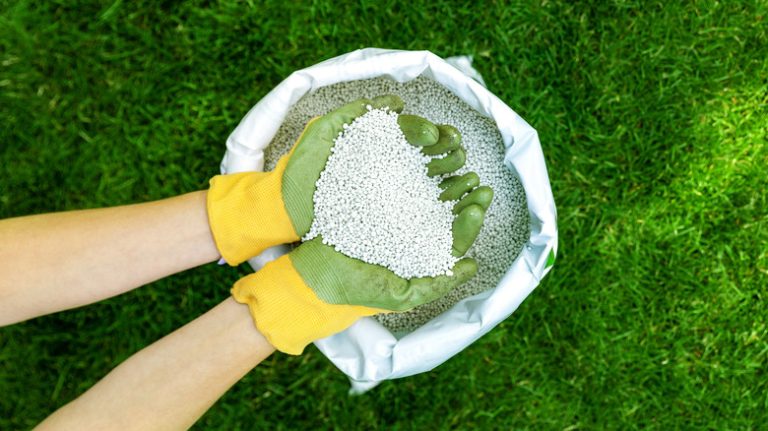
column 465, row 269
column 390, row 101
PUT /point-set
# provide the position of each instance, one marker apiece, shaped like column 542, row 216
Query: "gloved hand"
column 251, row 211
column 315, row 291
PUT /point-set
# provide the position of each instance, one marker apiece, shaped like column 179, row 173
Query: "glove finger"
column 332, row 123
column 455, row 187
column 322, row 131
column 419, row 131
column 450, row 163
column 482, row 196
column 449, row 140
column 390, row 101
column 448, row 182
column 428, row 289
column 465, row 228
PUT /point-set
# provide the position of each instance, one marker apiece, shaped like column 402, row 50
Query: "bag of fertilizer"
column 516, row 246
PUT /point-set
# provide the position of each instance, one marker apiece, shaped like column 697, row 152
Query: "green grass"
column 653, row 121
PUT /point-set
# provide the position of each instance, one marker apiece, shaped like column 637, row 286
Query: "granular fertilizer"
column 371, row 163
column 506, row 228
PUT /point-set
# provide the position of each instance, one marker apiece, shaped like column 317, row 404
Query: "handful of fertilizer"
column 379, row 198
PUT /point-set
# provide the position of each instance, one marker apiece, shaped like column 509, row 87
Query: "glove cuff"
column 247, row 214
column 287, row 312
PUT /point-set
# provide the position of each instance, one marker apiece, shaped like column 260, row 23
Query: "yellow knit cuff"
column 287, row 312
column 247, row 214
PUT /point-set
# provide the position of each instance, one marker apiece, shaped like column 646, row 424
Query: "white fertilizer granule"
column 372, row 162
column 506, row 228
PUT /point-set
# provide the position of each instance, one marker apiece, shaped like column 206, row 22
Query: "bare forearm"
column 171, row 383
column 53, row 262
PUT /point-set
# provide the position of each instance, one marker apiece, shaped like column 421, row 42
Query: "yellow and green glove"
column 315, row 291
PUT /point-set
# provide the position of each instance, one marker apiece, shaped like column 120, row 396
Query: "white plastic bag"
column 367, row 352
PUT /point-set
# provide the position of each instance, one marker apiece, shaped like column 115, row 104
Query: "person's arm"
column 53, row 262
column 171, row 383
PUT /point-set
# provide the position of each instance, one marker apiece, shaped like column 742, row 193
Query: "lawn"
column 653, row 119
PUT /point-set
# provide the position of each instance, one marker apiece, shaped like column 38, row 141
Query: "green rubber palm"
column 338, row 279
